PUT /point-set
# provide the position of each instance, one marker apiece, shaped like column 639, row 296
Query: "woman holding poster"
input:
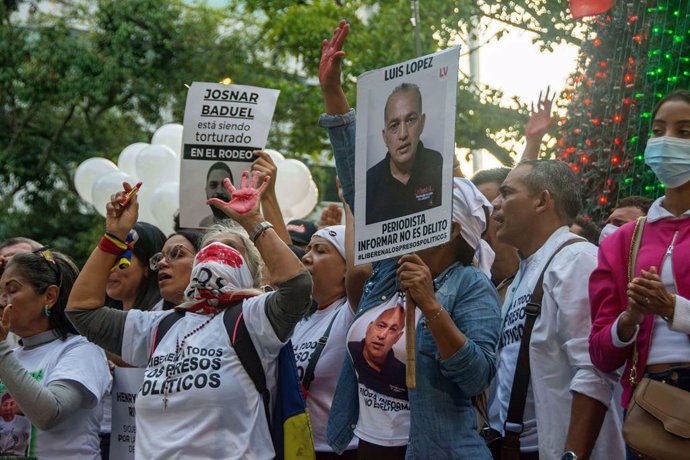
column 457, row 322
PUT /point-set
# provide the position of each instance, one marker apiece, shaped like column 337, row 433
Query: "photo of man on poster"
column 384, row 373
column 409, row 179
column 215, row 189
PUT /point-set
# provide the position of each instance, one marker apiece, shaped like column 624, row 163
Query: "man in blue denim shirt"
column 455, row 343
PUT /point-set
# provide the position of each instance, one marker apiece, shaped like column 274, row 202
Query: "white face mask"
column 606, row 231
column 669, row 158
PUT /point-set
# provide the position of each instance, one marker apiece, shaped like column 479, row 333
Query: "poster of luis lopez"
column 404, row 156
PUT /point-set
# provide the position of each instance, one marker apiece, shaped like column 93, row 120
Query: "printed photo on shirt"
column 372, row 343
column 404, row 155
column 15, row 429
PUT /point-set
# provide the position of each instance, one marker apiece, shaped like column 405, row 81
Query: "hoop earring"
column 46, row 310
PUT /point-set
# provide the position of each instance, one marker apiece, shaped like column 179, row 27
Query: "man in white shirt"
column 567, row 405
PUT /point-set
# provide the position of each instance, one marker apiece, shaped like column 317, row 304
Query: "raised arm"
column 330, row 68
column 269, row 201
column 539, row 123
column 243, row 208
column 292, row 298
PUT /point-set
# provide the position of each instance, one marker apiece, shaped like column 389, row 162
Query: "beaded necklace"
column 179, row 346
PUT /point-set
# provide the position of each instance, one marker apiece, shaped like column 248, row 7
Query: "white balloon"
column 157, row 164
column 169, row 135
column 164, row 202
column 306, row 206
column 292, row 184
column 276, row 156
column 127, row 161
column 88, row 172
column 106, row 186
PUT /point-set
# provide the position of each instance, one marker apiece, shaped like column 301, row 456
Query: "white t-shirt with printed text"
column 213, row 409
column 304, row 340
column 76, row 360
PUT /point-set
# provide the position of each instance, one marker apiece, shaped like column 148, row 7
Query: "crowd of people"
column 533, row 326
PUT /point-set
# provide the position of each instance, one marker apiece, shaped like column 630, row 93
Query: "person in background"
column 652, row 310
column 15, row 245
column 15, row 429
column 627, row 209
column 455, row 341
column 222, row 402
column 506, row 262
column 319, row 339
column 8, row 248
column 586, row 229
column 301, row 232
column 136, row 285
column 173, row 265
column 57, row 378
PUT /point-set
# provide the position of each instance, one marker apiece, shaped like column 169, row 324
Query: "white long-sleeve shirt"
column 559, row 354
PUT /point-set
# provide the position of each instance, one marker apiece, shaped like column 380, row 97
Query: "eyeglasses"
column 46, row 254
column 172, row 255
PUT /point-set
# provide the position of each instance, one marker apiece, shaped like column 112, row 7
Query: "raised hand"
column 245, row 200
column 540, row 120
column 331, row 215
column 267, row 168
column 120, row 218
column 331, row 57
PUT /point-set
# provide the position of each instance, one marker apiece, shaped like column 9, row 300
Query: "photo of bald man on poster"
column 409, row 179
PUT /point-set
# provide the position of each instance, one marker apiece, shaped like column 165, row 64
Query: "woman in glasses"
column 174, row 266
column 197, row 400
column 57, row 378
column 136, row 286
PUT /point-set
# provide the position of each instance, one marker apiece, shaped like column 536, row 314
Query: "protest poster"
column 223, row 125
column 404, row 156
column 126, row 384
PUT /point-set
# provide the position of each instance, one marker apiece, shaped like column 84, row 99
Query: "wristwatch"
column 569, row 455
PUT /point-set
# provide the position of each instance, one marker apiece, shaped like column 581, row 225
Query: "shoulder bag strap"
column 518, row 394
column 241, row 341
column 309, row 372
column 635, row 242
column 163, row 328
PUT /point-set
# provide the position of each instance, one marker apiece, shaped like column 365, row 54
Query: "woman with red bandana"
column 197, row 400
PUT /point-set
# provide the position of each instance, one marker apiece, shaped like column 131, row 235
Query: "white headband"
column 470, row 210
column 335, row 235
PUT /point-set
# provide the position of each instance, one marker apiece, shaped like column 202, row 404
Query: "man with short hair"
column 568, row 399
column 378, row 368
column 488, row 181
column 627, row 209
column 408, row 179
column 217, row 173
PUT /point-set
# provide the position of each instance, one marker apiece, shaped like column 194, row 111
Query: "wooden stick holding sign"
column 410, row 325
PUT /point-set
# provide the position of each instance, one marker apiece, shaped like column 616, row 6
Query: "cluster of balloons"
column 296, row 190
column 157, row 165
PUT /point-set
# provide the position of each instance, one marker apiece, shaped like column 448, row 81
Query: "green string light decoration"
column 632, row 57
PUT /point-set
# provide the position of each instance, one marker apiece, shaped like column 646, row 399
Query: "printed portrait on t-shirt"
column 373, row 341
column 15, row 429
